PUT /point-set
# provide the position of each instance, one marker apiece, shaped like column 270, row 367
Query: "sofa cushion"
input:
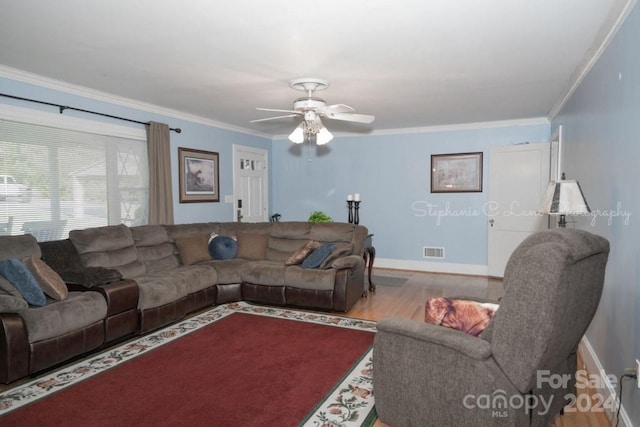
column 315, row 258
column 50, row 282
column 20, row 247
column 467, row 316
column 229, row 271
column 313, row 279
column 267, row 273
column 60, row 255
column 252, row 246
column 110, row 246
column 160, row 288
column 280, row 249
column 155, row 250
column 10, row 298
column 332, row 232
column 11, row 304
column 194, row 277
column 57, row 318
column 19, row 275
column 290, row 230
column 301, row 254
column 193, row 249
column 6, row 288
column 223, row 247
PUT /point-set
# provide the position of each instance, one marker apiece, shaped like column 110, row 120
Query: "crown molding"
column 445, row 128
column 96, row 95
column 614, row 24
column 35, row 79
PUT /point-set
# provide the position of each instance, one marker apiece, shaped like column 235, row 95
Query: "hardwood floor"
column 403, row 293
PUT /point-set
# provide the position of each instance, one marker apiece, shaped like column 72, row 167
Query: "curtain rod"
column 65, row 107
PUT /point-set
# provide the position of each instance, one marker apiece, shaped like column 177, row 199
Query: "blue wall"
column 391, row 172
column 194, row 135
column 601, row 127
column 392, row 175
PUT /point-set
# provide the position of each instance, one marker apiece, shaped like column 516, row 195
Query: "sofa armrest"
column 349, row 261
column 469, row 346
column 121, row 296
column 14, row 348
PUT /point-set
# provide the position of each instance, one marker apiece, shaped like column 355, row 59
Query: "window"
column 54, row 179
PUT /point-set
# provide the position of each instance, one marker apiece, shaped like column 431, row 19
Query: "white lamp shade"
column 323, row 136
column 297, row 136
column 564, row 198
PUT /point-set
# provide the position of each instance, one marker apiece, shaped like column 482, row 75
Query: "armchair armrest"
column 470, row 346
column 426, row 374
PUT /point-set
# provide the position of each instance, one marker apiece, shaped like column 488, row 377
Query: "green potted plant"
column 318, row 216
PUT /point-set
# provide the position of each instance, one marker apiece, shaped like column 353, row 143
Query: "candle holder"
column 350, row 206
column 356, row 215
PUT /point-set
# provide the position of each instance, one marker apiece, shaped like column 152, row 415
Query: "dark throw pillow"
column 315, row 258
column 223, row 247
column 19, row 275
column 91, row 276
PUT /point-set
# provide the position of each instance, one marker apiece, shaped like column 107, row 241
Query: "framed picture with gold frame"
column 199, row 174
column 456, row 173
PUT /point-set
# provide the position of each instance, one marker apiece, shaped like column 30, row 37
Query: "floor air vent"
column 432, row 252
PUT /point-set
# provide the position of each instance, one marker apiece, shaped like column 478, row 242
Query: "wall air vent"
column 432, row 252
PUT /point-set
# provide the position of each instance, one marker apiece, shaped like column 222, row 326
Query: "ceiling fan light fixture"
column 297, row 136
column 323, row 135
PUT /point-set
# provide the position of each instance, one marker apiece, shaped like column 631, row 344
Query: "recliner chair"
column 511, row 375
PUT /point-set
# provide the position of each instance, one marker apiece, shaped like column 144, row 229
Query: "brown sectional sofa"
column 142, row 278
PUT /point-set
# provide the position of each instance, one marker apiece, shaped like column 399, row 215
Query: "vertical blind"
column 55, row 180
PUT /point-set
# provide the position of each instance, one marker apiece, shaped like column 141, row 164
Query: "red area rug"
column 236, row 365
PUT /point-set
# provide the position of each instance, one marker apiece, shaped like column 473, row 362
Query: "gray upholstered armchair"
column 428, row 375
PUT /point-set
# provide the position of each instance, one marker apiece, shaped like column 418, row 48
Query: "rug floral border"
column 350, row 403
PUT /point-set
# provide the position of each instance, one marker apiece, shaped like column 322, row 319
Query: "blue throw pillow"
column 19, row 275
column 316, row 257
column 223, row 247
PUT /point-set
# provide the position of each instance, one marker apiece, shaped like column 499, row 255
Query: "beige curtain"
column 160, row 188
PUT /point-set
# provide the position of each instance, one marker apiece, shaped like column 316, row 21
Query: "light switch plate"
column 228, row 198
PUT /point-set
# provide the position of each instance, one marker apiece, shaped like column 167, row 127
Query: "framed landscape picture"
column 199, row 176
column 456, row 173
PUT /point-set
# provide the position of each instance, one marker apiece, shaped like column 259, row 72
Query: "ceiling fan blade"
column 273, row 118
column 350, row 117
column 277, row 111
column 339, row 108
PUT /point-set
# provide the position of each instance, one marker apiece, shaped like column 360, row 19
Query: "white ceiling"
column 411, row 63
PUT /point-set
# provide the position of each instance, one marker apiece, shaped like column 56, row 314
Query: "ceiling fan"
column 311, row 109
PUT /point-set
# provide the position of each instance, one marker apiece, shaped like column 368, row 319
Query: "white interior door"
column 250, row 187
column 518, row 178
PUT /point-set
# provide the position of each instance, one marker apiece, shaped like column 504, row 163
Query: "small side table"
column 369, row 256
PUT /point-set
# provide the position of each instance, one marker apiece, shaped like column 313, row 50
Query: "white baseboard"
column 607, row 391
column 433, row 267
